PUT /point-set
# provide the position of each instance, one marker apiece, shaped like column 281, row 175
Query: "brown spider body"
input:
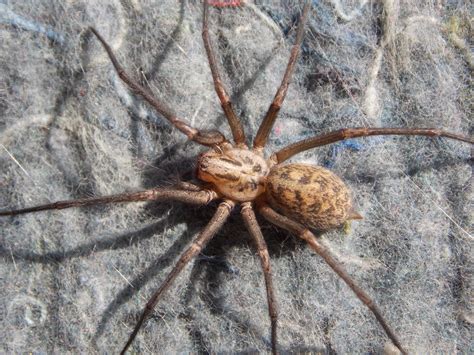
column 314, row 195
column 236, row 173
column 311, row 194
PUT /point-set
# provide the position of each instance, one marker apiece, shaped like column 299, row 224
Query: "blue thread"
column 8, row 17
column 354, row 145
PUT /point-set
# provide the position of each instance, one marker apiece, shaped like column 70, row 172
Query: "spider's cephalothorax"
column 305, row 196
column 236, row 173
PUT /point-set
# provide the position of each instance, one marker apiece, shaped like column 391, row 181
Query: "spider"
column 240, row 175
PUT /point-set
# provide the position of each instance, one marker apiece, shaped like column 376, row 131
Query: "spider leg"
column 234, row 122
column 347, row 133
column 207, row 138
column 188, row 186
column 267, row 123
column 309, row 237
column 254, row 229
column 221, row 215
column 158, row 194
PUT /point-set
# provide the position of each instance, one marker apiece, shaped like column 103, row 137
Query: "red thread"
column 225, row 3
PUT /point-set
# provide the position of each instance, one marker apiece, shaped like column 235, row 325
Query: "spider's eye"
column 238, row 174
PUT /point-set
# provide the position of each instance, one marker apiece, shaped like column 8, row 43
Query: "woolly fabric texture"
column 77, row 279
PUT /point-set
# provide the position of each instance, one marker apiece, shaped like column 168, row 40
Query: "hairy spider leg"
column 304, row 233
column 207, row 138
column 216, row 222
column 234, row 122
column 346, row 133
column 266, row 126
column 202, row 197
column 255, row 231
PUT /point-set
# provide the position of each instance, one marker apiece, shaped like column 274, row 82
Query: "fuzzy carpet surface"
column 77, row 280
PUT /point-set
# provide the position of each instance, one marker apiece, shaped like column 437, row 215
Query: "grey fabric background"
column 76, row 280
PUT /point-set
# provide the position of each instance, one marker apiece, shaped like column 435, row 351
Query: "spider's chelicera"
column 295, row 197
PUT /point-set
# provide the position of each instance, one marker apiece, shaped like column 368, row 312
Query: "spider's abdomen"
column 309, row 194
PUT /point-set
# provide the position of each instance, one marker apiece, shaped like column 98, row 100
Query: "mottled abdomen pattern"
column 309, row 194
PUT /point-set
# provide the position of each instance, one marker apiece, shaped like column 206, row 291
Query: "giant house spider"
column 59, row 245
